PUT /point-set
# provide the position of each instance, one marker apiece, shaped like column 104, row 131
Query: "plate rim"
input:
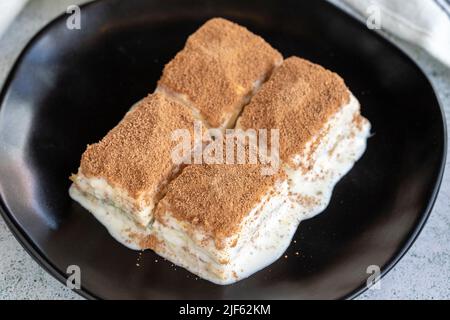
column 29, row 246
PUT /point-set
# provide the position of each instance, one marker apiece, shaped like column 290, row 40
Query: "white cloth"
column 8, row 11
column 425, row 23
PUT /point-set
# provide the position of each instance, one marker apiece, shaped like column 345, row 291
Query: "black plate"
column 69, row 87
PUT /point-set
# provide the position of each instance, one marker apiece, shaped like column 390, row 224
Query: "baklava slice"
column 219, row 69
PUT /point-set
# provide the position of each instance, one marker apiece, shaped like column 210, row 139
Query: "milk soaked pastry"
column 221, row 66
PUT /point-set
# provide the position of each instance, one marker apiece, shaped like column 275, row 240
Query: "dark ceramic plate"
column 69, row 87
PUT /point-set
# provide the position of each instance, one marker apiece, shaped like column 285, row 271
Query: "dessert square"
column 219, row 69
column 322, row 132
column 211, row 216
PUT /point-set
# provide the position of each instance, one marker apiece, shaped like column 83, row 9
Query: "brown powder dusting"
column 217, row 68
column 136, row 154
column 216, row 71
column 299, row 99
column 215, row 198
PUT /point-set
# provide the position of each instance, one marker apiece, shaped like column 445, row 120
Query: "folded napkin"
column 425, row 23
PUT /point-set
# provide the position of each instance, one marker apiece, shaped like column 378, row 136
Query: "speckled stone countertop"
column 424, row 272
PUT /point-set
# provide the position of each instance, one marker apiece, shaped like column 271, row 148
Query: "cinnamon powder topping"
column 218, row 68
